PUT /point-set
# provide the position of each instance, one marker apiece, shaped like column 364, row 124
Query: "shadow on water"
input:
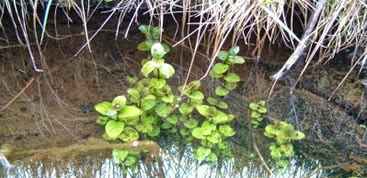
column 55, row 114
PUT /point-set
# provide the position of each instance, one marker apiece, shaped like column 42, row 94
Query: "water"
column 175, row 163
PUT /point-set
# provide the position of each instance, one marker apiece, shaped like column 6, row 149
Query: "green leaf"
column 131, row 120
column 194, row 85
column 156, row 31
column 254, row 106
column 287, row 150
column 234, row 50
column 215, row 137
column 166, row 70
column 166, row 48
column 238, row 60
column 226, row 130
column 220, row 68
column 195, row 102
column 191, row 123
column 129, row 134
column 119, row 101
column 230, row 85
column 223, row 55
column 185, row 109
column 155, row 132
column 149, row 97
column 166, row 125
column 208, row 128
column 184, row 131
column 144, row 127
column 212, row 101
column 230, row 117
column 105, row 108
column 130, row 161
column 163, row 109
column 261, row 103
column 297, row 135
column 145, row 45
column 212, row 157
column 215, row 75
column 231, row 77
column 144, row 29
column 255, row 114
column 157, row 51
column 223, row 145
column 132, row 79
column 158, row 83
column 166, row 90
column 270, row 131
column 159, row 62
column 119, row 155
column 206, row 111
column 114, row 128
column 259, row 119
column 170, row 98
column 198, row 133
column 148, row 67
column 148, row 119
column 102, row 120
column 196, row 95
column 283, row 163
column 222, row 105
column 276, row 154
column 173, row 119
column 219, row 117
column 148, row 104
column 129, row 111
column 220, row 91
column 202, row 152
column 262, row 110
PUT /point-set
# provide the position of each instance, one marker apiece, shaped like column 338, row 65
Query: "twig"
column 261, row 158
column 301, row 47
column 16, row 96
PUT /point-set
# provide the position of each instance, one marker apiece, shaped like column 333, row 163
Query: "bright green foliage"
column 127, row 158
column 221, row 71
column 257, row 111
column 150, row 107
column 283, row 135
column 114, row 128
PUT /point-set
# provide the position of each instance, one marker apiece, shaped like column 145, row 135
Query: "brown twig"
column 261, row 157
column 16, row 96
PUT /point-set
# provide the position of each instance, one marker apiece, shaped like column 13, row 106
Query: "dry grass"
column 341, row 24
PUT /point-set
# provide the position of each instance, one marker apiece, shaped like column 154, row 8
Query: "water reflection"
column 173, row 162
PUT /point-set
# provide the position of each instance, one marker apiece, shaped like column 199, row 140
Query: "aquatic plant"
column 257, row 111
column 283, row 135
column 281, row 132
column 151, row 108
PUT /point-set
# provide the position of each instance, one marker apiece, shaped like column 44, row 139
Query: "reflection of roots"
column 57, row 153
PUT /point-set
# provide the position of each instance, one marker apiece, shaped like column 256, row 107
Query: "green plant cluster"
column 150, row 107
column 128, row 158
column 257, row 111
column 221, row 71
column 283, row 134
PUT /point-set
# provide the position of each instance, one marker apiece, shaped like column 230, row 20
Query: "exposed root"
column 16, row 96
